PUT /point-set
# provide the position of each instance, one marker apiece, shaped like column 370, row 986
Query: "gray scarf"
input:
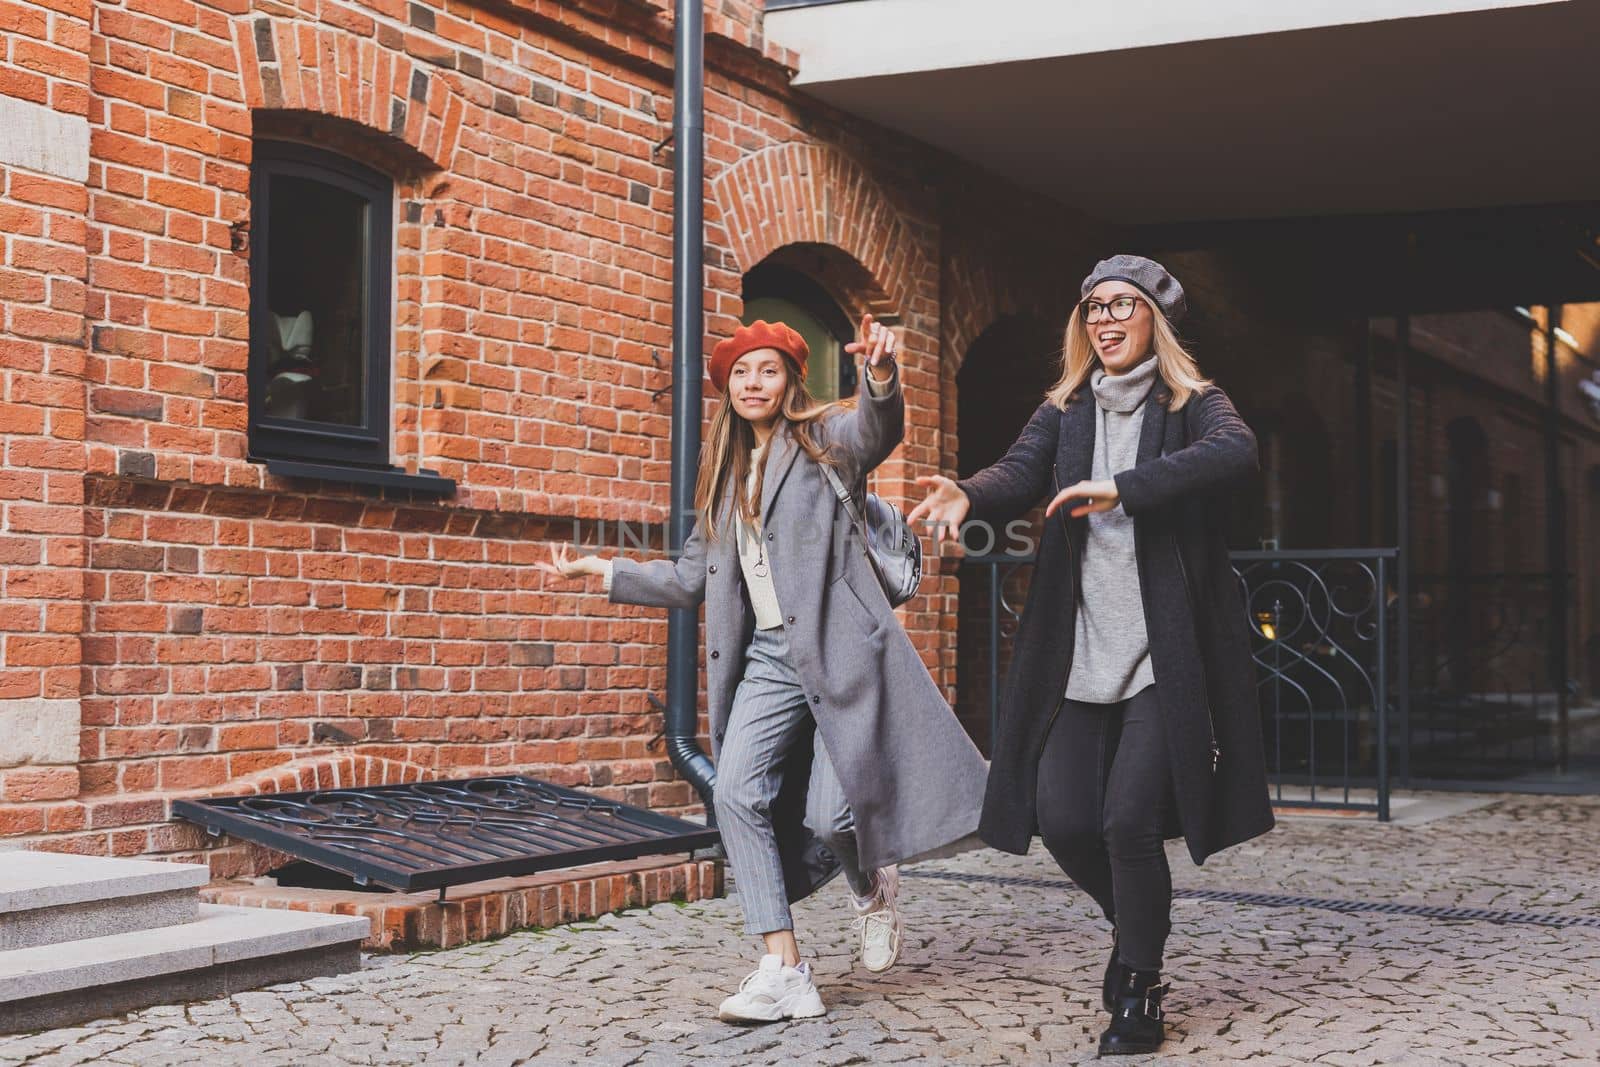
column 1123, row 392
column 1120, row 397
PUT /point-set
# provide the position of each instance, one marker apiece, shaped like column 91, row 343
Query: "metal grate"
column 427, row 835
column 1282, row 900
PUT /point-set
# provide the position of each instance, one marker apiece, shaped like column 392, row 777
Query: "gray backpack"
column 892, row 546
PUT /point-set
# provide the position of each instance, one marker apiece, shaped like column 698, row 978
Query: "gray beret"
column 1149, row 276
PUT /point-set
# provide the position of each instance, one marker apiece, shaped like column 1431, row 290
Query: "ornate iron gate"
column 1322, row 640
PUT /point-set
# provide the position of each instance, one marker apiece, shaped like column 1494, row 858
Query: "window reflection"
column 317, row 277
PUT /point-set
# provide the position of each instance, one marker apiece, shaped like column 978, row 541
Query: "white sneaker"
column 878, row 922
column 773, row 992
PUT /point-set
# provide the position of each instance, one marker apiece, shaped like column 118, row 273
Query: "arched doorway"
column 815, row 290
column 1000, row 385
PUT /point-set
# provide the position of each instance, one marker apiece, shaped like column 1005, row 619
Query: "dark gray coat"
column 1199, row 642
column 912, row 777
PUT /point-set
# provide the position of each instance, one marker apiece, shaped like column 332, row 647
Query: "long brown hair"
column 1173, row 361
column 725, row 457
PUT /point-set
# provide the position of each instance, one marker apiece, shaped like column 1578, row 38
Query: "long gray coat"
column 912, row 777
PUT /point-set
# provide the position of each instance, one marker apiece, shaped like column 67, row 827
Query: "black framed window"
column 321, row 269
column 778, row 293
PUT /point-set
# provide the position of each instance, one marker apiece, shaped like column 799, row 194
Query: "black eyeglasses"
column 1121, row 308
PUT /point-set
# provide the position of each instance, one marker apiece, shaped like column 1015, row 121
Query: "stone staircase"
column 82, row 937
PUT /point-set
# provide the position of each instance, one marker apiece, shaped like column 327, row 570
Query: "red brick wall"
column 221, row 625
column 44, row 67
column 235, row 622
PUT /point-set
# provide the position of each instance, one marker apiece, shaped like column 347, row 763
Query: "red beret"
column 759, row 334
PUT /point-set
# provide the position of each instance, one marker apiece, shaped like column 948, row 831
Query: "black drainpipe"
column 688, row 330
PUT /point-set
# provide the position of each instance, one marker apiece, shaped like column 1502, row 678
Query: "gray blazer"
column 913, row 778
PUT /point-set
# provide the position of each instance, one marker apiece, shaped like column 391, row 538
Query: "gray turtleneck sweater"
column 1111, row 650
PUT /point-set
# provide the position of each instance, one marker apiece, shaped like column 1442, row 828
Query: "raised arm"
column 863, row 436
column 1019, row 479
column 1222, row 452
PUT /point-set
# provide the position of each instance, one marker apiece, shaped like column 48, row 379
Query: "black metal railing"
column 1321, row 636
column 997, row 587
column 1320, row 628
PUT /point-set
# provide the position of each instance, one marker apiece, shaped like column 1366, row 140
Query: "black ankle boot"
column 1114, row 973
column 1136, row 1027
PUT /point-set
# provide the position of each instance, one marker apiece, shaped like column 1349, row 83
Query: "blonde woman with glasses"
column 1129, row 715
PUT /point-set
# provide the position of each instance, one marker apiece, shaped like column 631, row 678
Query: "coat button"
column 715, row 653
column 791, row 620
column 816, row 700
column 772, row 537
column 712, row 569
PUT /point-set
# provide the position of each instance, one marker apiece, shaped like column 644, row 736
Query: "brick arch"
column 799, row 194
column 847, row 280
column 972, row 304
column 291, row 65
column 982, row 288
column 329, row 772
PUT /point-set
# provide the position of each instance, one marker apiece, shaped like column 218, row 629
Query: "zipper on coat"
column 1205, row 684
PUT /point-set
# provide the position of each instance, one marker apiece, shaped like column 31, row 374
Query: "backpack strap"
column 842, row 493
column 856, row 519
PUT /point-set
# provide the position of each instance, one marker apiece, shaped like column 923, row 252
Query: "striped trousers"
column 769, row 715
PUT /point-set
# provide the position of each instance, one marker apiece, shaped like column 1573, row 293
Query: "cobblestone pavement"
column 1002, row 966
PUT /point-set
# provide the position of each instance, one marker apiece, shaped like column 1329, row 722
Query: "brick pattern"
column 228, row 625
column 44, row 53
column 806, row 193
column 415, row 634
column 526, row 202
column 344, row 70
column 44, row 60
column 408, row 922
column 865, row 234
column 235, row 624
column 736, row 25
column 140, row 823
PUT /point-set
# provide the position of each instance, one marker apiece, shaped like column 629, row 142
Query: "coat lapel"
column 1075, row 453
column 781, row 453
column 1153, row 434
column 726, row 550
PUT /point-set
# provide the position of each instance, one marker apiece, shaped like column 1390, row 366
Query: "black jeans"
column 1104, row 801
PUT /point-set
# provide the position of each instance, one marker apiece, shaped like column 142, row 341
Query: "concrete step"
column 47, row 897
column 225, row 950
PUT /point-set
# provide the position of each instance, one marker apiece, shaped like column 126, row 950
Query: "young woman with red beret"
column 835, row 749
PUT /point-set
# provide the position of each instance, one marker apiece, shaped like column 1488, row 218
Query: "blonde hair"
column 1173, row 361
column 725, row 457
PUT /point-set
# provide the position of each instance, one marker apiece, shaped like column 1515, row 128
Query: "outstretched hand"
column 945, row 507
column 563, row 564
column 876, row 342
column 1091, row 497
